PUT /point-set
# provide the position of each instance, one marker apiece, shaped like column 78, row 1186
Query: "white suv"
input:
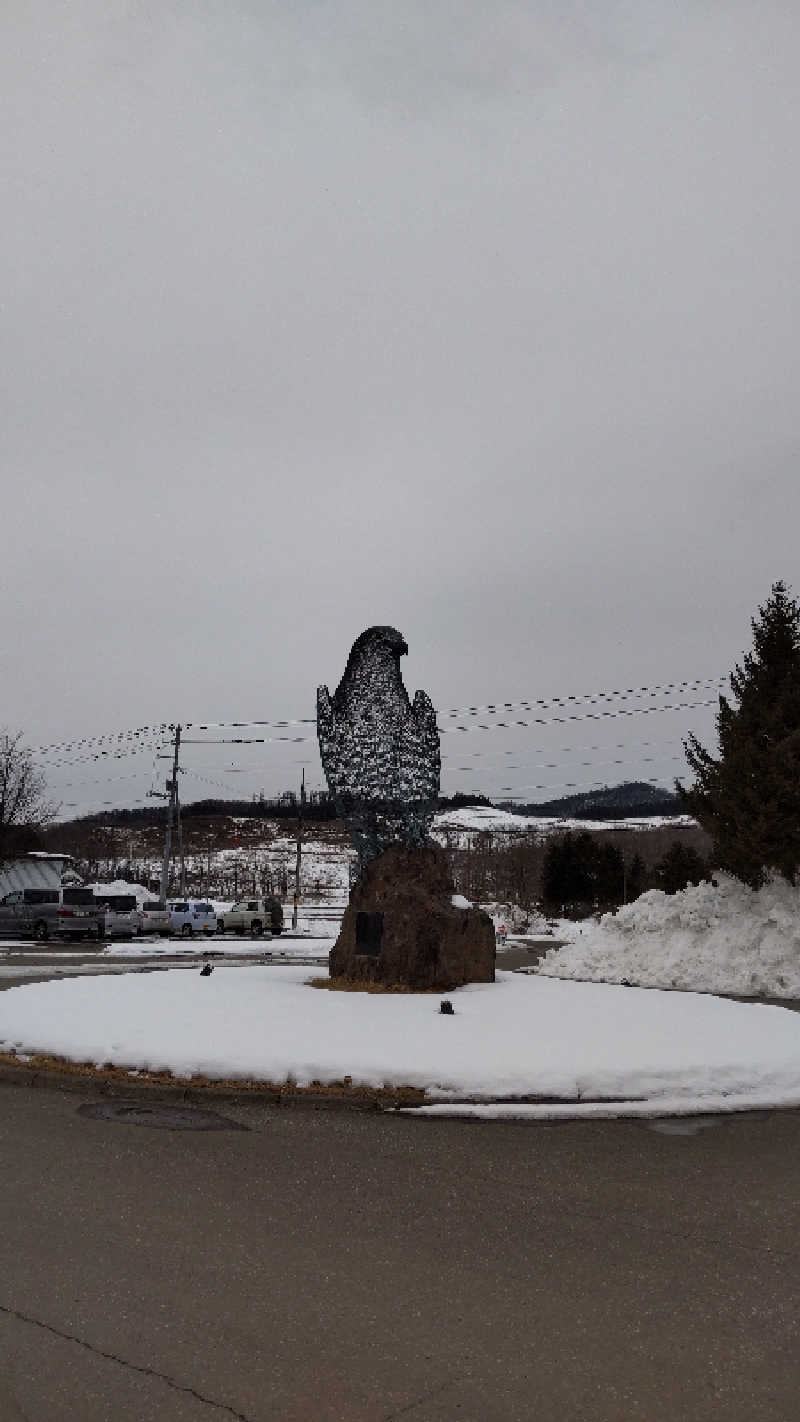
column 188, row 916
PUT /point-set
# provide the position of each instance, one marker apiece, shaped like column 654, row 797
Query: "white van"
column 188, row 916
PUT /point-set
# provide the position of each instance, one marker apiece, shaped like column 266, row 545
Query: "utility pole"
column 182, row 872
column 172, row 787
column 300, row 808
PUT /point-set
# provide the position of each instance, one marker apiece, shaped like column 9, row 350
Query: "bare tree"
column 24, row 809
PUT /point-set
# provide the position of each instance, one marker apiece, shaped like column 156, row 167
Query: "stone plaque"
column 369, row 934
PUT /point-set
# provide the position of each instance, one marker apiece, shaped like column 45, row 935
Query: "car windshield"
column 203, row 908
column 153, row 908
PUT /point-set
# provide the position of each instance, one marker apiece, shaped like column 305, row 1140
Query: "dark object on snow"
column 206, row 970
column 379, row 750
column 401, row 927
column 446, row 1007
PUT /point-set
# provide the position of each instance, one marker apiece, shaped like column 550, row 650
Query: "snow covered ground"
column 628, row 1050
column 460, row 826
column 721, row 937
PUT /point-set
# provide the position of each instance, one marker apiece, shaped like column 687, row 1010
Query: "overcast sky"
column 479, row 319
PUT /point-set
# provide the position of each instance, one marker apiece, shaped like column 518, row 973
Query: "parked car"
column 121, row 917
column 188, row 916
column 155, row 918
column 256, row 916
column 50, row 913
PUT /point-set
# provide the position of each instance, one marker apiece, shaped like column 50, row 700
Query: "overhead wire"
column 526, row 703
column 160, row 730
column 119, row 745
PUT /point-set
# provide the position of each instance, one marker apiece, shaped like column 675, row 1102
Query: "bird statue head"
column 387, row 637
column 376, row 642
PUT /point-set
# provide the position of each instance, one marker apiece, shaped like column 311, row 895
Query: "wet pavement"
column 337, row 1267
column 22, row 963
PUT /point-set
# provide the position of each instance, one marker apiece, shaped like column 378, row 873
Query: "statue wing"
column 424, row 714
column 427, row 734
column 326, row 725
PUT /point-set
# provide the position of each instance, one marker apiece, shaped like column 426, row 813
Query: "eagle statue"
column 379, row 750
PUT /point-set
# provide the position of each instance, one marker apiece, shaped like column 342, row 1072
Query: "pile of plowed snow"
column 123, row 886
column 721, row 937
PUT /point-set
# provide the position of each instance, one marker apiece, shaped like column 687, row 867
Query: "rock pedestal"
column 401, row 928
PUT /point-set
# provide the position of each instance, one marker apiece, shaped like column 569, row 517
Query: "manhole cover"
column 160, row 1115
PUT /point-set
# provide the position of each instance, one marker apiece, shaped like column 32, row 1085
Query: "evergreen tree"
column 748, row 798
column 568, row 869
column 609, row 874
column 680, row 867
column 636, row 878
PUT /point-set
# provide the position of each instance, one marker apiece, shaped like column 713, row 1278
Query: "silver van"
column 50, row 913
column 121, row 916
column 155, row 919
column 188, row 916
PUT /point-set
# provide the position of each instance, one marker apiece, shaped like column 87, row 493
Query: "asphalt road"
column 330, row 1265
column 22, row 963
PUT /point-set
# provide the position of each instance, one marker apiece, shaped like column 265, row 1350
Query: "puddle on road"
column 693, row 1125
column 681, row 1125
column 158, row 1114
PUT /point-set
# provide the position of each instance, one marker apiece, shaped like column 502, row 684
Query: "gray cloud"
column 476, row 320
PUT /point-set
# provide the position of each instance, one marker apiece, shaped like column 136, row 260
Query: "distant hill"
column 611, row 802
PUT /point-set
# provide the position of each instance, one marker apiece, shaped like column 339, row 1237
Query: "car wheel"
column 186, row 931
column 220, row 926
column 256, row 927
column 41, row 932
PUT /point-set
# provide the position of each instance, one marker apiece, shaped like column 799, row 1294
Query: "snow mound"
column 714, row 937
column 122, row 886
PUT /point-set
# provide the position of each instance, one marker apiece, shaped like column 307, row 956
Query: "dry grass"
column 287, row 1090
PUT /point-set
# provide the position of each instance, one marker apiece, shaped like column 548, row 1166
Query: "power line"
column 478, row 726
column 102, row 755
column 527, row 703
column 531, row 704
column 164, row 730
column 564, row 720
column 77, row 742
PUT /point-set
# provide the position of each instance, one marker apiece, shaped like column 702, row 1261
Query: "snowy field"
column 459, row 826
column 609, row 1049
column 721, row 937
